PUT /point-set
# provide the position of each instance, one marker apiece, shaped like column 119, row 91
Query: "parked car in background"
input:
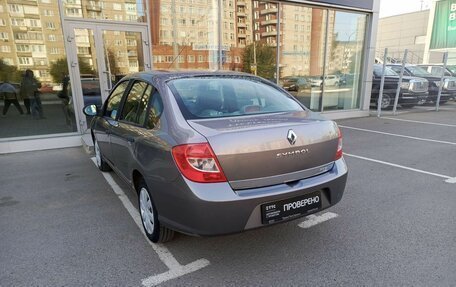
column 214, row 153
column 449, row 85
column 330, row 80
column 295, row 83
column 414, row 91
column 437, row 69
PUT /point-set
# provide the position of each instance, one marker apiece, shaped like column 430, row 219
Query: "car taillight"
column 339, row 152
column 197, row 162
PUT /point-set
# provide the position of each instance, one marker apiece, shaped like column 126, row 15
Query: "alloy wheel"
column 147, row 211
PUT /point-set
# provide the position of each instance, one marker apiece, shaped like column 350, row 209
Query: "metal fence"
column 406, row 58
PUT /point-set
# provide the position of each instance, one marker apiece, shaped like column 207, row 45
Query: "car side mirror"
column 90, row 110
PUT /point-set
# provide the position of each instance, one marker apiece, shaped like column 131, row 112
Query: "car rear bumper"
column 216, row 209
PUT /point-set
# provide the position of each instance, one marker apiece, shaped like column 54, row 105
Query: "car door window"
column 113, row 104
column 155, row 111
column 131, row 107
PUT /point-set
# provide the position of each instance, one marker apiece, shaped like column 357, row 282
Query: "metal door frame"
column 72, row 60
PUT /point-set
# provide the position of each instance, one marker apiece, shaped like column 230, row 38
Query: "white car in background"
column 330, row 80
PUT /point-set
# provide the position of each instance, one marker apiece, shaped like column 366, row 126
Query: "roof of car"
column 169, row 75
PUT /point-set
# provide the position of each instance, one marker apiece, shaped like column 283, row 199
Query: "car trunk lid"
column 256, row 151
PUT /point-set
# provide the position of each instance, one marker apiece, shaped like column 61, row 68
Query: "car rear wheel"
column 149, row 217
column 101, row 164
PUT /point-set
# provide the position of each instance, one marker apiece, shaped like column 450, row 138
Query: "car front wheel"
column 386, row 101
column 149, row 217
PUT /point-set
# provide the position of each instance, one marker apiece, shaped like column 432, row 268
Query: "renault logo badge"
column 291, row 136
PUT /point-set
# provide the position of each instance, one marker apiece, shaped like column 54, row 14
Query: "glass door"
column 99, row 56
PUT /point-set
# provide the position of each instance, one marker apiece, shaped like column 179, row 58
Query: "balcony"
column 241, row 13
column 269, row 11
column 241, row 3
column 241, row 24
column 270, row 22
column 93, row 7
column 268, row 34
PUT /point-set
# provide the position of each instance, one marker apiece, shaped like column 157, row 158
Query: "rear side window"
column 132, row 104
column 214, row 97
column 155, row 111
column 113, row 104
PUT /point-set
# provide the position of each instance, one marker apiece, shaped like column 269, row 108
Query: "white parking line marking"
column 313, row 220
column 448, row 179
column 420, row 122
column 175, row 269
column 398, row 135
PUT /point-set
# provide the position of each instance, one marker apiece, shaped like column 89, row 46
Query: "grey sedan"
column 213, row 153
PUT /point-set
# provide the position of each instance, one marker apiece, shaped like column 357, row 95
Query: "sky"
column 395, row 7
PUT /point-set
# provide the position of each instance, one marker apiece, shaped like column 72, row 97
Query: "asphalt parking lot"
column 64, row 223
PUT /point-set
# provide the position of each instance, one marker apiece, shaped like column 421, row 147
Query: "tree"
column 112, row 61
column 9, row 73
column 265, row 60
column 59, row 69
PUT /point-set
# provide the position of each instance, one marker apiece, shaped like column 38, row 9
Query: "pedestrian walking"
column 29, row 90
column 9, row 94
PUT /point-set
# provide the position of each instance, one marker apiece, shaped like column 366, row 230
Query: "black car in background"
column 414, row 91
column 449, row 84
column 295, row 83
column 436, row 69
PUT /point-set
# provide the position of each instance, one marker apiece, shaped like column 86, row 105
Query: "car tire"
column 386, row 102
column 101, row 163
column 156, row 232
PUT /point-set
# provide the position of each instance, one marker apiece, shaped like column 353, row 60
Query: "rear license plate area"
column 290, row 208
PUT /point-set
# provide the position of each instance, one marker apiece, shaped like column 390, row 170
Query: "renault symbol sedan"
column 212, row 153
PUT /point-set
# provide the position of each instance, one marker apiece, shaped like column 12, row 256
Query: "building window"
column 54, row 51
column 131, row 42
column 5, row 49
column 52, row 38
column 50, row 25
column 25, row 61
column 14, row 8
column 3, row 35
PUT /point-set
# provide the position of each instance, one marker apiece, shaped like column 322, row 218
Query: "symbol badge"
column 291, row 136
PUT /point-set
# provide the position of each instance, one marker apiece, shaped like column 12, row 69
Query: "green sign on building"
column 444, row 28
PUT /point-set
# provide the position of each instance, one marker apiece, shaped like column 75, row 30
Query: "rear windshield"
column 215, row 97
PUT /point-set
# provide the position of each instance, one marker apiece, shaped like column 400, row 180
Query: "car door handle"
column 130, row 140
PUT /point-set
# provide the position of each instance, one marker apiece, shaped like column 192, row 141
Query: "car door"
column 108, row 119
column 129, row 128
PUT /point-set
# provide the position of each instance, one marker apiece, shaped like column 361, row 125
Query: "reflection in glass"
column 249, row 38
column 34, row 42
column 302, row 53
column 88, row 69
column 123, row 53
column 123, row 10
column 185, row 35
column 344, row 59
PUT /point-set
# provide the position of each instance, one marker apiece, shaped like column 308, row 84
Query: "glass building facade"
column 78, row 49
